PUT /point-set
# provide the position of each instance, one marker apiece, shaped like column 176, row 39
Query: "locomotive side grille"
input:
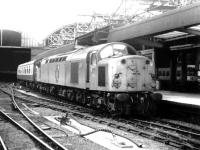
column 101, row 76
column 74, row 72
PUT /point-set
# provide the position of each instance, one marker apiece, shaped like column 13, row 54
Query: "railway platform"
column 181, row 98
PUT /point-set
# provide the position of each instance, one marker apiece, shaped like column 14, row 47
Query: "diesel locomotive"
column 110, row 76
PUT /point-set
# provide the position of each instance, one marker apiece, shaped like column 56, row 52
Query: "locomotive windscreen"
column 116, row 50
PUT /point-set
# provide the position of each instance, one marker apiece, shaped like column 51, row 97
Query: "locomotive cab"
column 126, row 77
column 99, row 62
column 116, row 67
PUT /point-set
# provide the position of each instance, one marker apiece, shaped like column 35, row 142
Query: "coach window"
column 93, row 59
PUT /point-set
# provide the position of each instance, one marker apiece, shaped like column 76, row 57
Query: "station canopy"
column 176, row 24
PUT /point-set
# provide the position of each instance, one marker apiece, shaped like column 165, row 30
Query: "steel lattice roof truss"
column 67, row 34
column 54, row 39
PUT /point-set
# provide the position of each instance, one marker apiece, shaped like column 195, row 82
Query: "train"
column 111, row 77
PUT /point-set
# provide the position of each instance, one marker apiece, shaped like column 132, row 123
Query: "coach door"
column 37, row 71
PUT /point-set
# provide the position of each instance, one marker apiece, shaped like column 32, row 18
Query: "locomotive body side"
column 76, row 70
column 56, row 69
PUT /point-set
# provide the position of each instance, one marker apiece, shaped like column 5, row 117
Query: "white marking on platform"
column 113, row 143
column 102, row 138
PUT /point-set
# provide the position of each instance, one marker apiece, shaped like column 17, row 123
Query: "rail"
column 153, row 131
column 54, row 144
column 25, row 130
column 3, row 144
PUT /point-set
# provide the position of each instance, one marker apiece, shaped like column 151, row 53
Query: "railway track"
column 168, row 133
column 2, row 144
column 29, row 127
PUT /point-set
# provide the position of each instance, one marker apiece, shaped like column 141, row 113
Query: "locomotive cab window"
column 106, row 52
column 116, row 50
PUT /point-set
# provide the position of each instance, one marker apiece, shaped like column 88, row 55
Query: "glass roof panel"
column 170, row 35
column 195, row 27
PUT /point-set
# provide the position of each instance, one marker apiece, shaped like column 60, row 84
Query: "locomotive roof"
column 62, row 54
column 99, row 47
column 83, row 50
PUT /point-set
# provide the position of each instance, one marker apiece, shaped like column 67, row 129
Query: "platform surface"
column 180, row 97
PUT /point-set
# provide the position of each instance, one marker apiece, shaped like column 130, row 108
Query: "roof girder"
column 147, row 42
column 190, row 31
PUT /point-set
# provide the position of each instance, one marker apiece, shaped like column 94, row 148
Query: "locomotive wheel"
column 78, row 97
column 83, row 99
column 118, row 107
column 70, row 96
column 148, row 107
